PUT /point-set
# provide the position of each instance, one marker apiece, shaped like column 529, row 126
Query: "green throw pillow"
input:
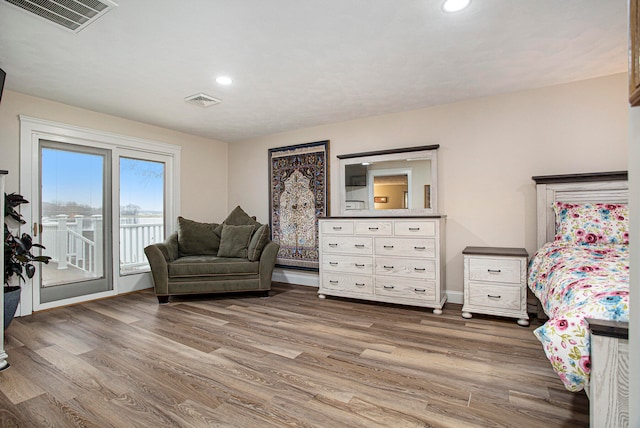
column 197, row 239
column 237, row 217
column 258, row 241
column 235, row 240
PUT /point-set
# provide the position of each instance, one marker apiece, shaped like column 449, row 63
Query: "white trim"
column 298, row 277
column 455, row 297
column 32, row 130
column 74, row 300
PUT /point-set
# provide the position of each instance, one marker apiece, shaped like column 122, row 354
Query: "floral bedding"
column 575, row 282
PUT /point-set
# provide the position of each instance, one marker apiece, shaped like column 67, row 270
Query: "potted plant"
column 18, row 258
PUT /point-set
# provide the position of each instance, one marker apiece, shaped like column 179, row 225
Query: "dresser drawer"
column 415, row 228
column 374, row 228
column 347, row 264
column 355, row 284
column 405, row 288
column 347, row 244
column 500, row 270
column 413, row 268
column 494, row 296
column 406, row 247
column 336, row 227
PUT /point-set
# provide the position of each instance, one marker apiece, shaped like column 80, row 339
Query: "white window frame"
column 32, row 130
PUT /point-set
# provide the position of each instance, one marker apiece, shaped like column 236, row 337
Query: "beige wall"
column 489, row 149
column 203, row 184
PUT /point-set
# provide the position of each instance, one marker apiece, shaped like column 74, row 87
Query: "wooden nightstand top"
column 496, row 251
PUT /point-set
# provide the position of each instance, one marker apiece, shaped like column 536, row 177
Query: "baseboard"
column 455, row 297
column 291, row 276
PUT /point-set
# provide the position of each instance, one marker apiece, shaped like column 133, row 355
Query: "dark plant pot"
column 11, row 300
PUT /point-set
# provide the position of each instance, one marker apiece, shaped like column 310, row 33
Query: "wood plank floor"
column 287, row 360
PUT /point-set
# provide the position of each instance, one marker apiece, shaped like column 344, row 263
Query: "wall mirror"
column 390, row 182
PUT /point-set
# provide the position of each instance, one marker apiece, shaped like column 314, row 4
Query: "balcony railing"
column 72, row 242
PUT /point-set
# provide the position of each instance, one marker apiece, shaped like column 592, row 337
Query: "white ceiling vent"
column 73, row 15
column 203, row 100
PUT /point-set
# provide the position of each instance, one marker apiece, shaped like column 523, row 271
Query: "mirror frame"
column 418, row 153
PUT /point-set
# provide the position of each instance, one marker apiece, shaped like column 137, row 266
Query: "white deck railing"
column 72, row 242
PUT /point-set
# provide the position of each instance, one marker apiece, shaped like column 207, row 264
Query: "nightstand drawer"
column 336, row 227
column 494, row 296
column 500, row 270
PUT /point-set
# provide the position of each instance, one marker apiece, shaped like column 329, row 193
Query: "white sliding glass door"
column 74, row 207
column 97, row 200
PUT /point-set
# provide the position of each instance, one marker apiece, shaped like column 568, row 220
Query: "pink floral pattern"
column 575, row 282
column 592, row 223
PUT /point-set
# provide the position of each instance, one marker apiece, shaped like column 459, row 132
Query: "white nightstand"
column 495, row 282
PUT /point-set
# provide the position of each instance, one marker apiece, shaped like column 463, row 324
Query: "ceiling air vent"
column 73, row 15
column 203, row 100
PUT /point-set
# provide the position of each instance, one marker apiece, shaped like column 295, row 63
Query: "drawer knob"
column 333, row 282
column 420, row 269
column 387, row 246
column 358, row 284
column 387, row 267
column 414, row 229
column 359, row 264
column 493, row 297
column 337, row 227
column 419, row 248
column 359, row 245
column 333, row 245
column 493, row 270
column 420, row 290
column 388, row 287
column 373, row 228
column 333, row 263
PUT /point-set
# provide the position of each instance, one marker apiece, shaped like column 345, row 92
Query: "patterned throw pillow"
column 586, row 224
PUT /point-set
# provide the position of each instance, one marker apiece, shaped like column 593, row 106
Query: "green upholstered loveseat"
column 236, row 255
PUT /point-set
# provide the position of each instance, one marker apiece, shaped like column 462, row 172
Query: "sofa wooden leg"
column 163, row 300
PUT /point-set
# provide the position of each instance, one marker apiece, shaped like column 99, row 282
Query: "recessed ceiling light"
column 224, row 80
column 455, row 5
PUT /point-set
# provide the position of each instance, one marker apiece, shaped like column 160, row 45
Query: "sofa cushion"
column 193, row 266
column 195, row 238
column 235, row 240
column 258, row 241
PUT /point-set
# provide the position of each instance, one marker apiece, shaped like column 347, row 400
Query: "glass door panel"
column 75, row 214
column 142, row 213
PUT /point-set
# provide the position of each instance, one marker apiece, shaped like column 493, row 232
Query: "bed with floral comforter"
column 584, row 273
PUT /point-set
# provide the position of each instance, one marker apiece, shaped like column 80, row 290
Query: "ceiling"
column 302, row 63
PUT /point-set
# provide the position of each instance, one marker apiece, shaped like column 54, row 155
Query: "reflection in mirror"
column 393, row 189
column 395, row 182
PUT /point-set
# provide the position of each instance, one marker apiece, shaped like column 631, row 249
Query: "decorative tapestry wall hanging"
column 298, row 195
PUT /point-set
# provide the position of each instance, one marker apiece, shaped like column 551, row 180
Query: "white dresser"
column 394, row 260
